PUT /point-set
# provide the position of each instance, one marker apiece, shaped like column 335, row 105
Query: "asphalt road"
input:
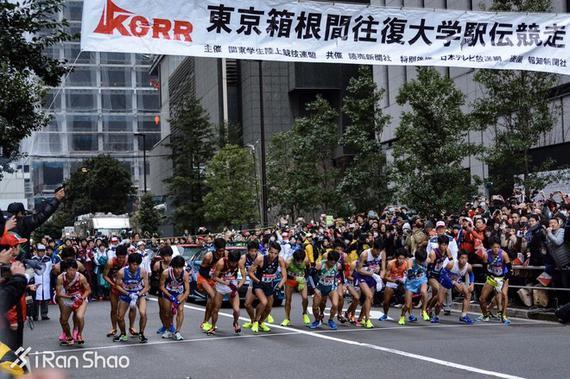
column 527, row 348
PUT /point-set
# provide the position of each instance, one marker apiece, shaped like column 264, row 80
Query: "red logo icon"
column 115, row 19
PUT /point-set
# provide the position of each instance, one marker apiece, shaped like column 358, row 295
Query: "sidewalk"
column 545, row 314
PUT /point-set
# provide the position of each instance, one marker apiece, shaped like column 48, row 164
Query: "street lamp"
column 144, row 157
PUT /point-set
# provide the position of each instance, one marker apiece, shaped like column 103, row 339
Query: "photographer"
column 25, row 225
column 12, row 292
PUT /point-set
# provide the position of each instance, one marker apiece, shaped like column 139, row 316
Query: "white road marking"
column 381, row 348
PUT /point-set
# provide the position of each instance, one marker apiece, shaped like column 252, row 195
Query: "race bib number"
column 268, row 278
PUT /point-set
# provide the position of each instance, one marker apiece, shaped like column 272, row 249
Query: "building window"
column 143, row 59
column 71, row 52
column 144, row 78
column 117, row 124
column 116, row 77
column 115, row 58
column 150, row 140
column 48, row 102
column 117, row 101
column 82, row 77
column 47, row 143
column 147, row 101
column 79, row 100
column 74, row 29
column 82, row 123
column 147, row 124
column 72, row 10
column 83, row 142
column 118, row 142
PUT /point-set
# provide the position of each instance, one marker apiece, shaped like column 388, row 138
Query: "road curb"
column 531, row 314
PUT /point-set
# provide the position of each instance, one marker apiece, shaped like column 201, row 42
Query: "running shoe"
column 133, row 332
column 247, row 325
column 206, row 326
column 306, row 319
column 402, row 320
column 270, row 319
column 237, row 329
column 342, row 319
column 315, row 324
column 63, row 338
column 66, row 342
column 435, row 320
column 483, row 318
column 79, row 339
column 211, row 331
column 332, row 325
column 446, row 311
column 425, row 316
column 178, row 336
column 383, row 318
column 506, row 321
column 161, row 330
column 255, row 327
column 286, row 322
column 172, row 329
column 368, row 324
column 412, row 318
column 466, row 320
column 167, row 334
column 142, row 338
column 74, row 334
column 264, row 328
column 120, row 338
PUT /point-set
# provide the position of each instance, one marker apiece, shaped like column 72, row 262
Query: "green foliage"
column 517, row 105
column 147, row 217
column 232, row 196
column 24, row 71
column 101, row 184
column 431, row 145
column 193, row 144
column 300, row 174
column 364, row 182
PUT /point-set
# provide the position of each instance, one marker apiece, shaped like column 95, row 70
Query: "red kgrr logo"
column 116, row 19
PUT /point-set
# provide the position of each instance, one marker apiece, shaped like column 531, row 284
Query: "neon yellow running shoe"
column 206, row 326
column 368, row 324
column 255, row 327
column 402, row 320
column 264, row 328
column 286, row 322
column 270, row 319
column 425, row 316
column 247, row 325
column 306, row 319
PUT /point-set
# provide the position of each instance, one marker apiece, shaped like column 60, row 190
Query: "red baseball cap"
column 11, row 239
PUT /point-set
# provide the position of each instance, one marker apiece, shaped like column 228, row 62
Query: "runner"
column 326, row 288
column 133, row 285
column 72, row 290
column 158, row 268
column 343, row 273
column 453, row 276
column 372, row 267
column 437, row 256
column 174, row 290
column 352, row 260
column 225, row 275
column 416, row 282
column 497, row 265
column 114, row 265
column 296, row 266
column 247, row 260
column 205, row 281
column 395, row 278
column 263, row 273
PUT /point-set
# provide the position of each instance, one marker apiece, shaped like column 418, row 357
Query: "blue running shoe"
column 172, row 329
column 315, row 324
column 466, row 320
column 383, row 318
column 412, row 318
column 161, row 330
column 332, row 325
column 435, row 320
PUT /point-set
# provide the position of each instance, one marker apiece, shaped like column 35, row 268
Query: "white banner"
column 327, row 32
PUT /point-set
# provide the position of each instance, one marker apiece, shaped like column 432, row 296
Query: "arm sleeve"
column 509, row 269
column 556, row 239
column 46, row 210
column 471, row 277
column 11, row 292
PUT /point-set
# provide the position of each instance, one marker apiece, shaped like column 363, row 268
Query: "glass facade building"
column 99, row 106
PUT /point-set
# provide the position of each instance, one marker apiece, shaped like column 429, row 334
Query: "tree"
column 232, row 196
column 365, row 180
column 301, row 175
column 431, row 145
column 517, row 104
column 24, row 70
column 148, row 218
column 193, row 145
